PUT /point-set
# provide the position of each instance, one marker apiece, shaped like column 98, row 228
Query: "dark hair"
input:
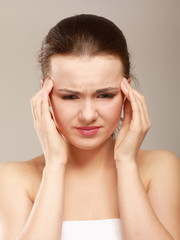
column 84, row 34
column 81, row 35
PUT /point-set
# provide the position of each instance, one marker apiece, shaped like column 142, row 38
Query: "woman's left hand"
column 135, row 125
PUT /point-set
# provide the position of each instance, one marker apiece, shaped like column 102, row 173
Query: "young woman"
column 93, row 181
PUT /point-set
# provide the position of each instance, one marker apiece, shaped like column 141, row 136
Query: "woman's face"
column 78, row 98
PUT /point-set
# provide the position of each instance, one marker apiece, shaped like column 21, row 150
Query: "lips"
column 88, row 131
column 88, row 128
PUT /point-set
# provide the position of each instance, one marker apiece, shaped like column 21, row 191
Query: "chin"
column 87, row 143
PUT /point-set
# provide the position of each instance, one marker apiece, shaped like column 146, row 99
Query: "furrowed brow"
column 106, row 89
column 97, row 91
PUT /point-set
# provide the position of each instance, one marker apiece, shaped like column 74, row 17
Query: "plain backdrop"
column 152, row 32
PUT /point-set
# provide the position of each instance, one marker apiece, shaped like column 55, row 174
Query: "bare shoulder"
column 152, row 163
column 20, row 169
column 151, row 158
column 18, row 181
column 26, row 174
column 163, row 170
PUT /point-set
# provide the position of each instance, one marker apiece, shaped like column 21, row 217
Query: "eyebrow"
column 97, row 91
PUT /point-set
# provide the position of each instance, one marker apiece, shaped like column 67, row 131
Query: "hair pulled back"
column 81, row 35
column 85, row 35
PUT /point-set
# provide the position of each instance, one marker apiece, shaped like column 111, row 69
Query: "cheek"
column 108, row 111
column 112, row 112
column 63, row 114
column 112, row 109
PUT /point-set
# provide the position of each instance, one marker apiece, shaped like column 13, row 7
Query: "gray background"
column 153, row 36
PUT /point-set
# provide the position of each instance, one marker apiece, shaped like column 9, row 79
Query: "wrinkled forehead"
column 82, row 72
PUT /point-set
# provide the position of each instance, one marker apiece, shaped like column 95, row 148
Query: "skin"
column 121, row 177
column 126, row 181
column 88, row 108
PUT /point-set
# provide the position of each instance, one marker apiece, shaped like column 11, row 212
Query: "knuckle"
column 146, row 128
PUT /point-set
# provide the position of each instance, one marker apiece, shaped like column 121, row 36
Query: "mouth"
column 88, row 131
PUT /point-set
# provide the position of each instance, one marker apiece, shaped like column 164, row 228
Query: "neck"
column 97, row 159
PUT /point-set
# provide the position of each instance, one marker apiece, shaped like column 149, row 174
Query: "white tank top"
column 101, row 229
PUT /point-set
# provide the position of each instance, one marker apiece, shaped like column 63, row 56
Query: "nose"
column 88, row 112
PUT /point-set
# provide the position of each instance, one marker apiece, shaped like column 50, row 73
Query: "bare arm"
column 45, row 220
column 154, row 215
column 19, row 218
column 145, row 216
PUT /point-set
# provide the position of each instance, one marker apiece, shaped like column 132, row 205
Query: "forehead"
column 77, row 72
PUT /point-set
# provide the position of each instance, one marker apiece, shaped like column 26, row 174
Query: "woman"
column 93, row 181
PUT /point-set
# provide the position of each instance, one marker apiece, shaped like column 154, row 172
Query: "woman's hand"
column 135, row 125
column 52, row 142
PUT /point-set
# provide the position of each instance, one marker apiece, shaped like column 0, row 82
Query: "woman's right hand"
column 52, row 142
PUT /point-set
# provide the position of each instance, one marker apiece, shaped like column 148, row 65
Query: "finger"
column 127, row 113
column 36, row 96
column 136, row 118
column 36, row 100
column 144, row 105
column 33, row 112
column 139, row 101
column 37, row 107
column 136, row 114
column 45, row 113
column 143, row 102
column 33, row 101
column 141, row 108
column 48, row 85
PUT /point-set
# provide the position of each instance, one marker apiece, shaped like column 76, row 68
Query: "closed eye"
column 72, row 97
column 107, row 95
column 69, row 97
